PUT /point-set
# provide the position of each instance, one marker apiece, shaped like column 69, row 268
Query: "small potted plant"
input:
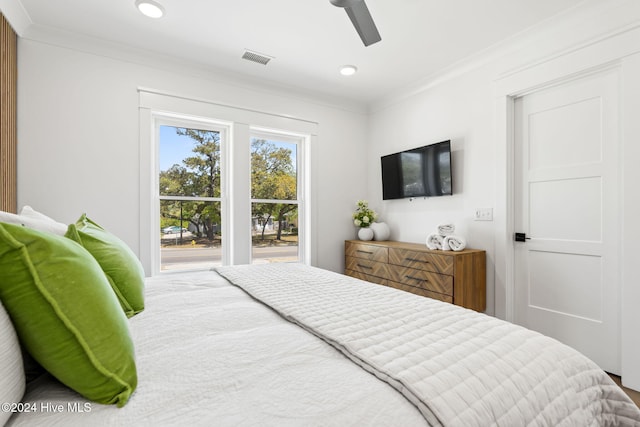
column 363, row 217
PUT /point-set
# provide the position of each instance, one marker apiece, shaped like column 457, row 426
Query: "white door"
column 567, row 203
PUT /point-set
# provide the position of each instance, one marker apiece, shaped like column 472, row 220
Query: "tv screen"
column 420, row 172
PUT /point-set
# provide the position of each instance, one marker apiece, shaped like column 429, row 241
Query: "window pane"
column 274, row 232
column 190, row 235
column 189, row 162
column 273, row 170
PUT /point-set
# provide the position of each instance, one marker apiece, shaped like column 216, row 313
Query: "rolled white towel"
column 434, row 241
column 456, row 243
column 446, row 229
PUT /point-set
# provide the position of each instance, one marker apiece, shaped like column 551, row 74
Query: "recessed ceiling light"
column 150, row 8
column 348, row 70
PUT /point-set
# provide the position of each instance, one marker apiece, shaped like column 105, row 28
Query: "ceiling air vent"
column 256, row 57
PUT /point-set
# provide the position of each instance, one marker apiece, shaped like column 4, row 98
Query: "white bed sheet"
column 459, row 367
column 208, row 354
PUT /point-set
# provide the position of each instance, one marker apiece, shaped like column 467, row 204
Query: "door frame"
column 612, row 50
column 505, row 191
column 609, row 52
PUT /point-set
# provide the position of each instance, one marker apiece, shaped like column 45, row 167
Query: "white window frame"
column 240, row 122
column 174, row 120
column 302, row 164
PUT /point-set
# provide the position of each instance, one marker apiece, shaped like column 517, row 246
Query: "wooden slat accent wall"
column 8, row 122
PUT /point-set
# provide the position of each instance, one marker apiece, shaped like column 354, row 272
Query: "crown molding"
column 590, row 22
column 16, row 14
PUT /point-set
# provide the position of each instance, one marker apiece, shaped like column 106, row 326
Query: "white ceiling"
column 309, row 39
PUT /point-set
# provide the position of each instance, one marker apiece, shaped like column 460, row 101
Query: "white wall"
column 630, row 315
column 79, row 139
column 467, row 104
column 462, row 111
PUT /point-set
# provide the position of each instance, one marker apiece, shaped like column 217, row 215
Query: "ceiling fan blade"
column 362, row 20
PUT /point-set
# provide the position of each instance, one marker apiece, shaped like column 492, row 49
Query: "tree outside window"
column 274, row 194
column 190, row 194
column 190, row 197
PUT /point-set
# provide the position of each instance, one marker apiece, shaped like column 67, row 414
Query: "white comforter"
column 209, row 355
column 460, row 368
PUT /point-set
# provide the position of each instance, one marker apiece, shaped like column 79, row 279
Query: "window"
column 212, row 184
column 276, row 198
column 190, row 195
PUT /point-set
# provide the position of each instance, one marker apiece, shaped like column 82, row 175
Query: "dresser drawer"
column 442, row 264
column 424, row 279
column 421, row 292
column 367, row 277
column 368, row 267
column 369, row 252
column 454, row 277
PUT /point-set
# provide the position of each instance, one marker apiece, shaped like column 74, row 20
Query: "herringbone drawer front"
column 423, row 260
column 367, row 277
column 422, row 279
column 371, row 268
column 454, row 277
column 421, row 292
column 364, row 251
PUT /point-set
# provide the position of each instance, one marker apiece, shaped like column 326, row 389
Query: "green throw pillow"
column 65, row 313
column 119, row 263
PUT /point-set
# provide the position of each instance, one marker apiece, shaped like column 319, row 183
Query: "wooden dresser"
column 454, row 277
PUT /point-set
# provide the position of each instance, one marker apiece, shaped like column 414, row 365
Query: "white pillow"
column 12, row 379
column 28, row 211
column 32, row 213
column 39, row 224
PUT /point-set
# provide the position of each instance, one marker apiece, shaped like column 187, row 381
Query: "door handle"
column 522, row 237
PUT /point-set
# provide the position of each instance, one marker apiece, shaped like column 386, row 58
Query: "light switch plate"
column 483, row 214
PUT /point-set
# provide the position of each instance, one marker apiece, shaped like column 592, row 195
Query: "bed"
column 294, row 345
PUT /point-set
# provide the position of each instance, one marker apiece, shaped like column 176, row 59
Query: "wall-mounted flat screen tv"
column 420, row 172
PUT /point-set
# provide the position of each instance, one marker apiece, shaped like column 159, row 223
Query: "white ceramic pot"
column 365, row 233
column 380, row 231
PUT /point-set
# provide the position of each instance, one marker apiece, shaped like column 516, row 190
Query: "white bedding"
column 208, row 354
column 459, row 367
